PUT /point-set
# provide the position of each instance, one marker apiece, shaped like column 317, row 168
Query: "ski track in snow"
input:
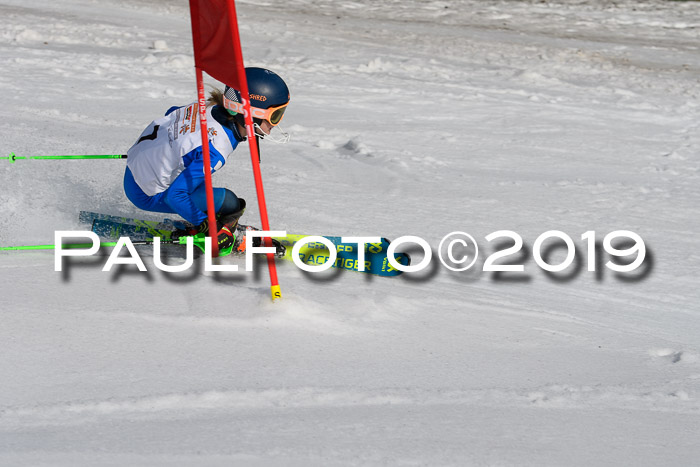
column 672, row 397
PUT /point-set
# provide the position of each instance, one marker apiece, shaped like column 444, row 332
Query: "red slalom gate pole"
column 253, row 144
column 211, row 214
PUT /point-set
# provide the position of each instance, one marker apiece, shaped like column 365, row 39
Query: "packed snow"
column 407, row 118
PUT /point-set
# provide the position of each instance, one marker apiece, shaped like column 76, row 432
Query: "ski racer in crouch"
column 165, row 167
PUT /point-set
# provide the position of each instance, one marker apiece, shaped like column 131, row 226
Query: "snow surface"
column 407, row 118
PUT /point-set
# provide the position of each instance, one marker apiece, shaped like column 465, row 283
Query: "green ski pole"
column 51, row 247
column 197, row 240
column 13, row 158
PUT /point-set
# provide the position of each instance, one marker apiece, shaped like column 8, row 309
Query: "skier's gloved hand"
column 225, row 237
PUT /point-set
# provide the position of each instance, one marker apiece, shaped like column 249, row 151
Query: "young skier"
column 165, row 167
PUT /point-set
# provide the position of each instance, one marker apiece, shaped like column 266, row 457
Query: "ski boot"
column 225, row 227
column 239, row 245
column 225, row 237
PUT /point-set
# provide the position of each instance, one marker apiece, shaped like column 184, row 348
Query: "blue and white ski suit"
column 165, row 167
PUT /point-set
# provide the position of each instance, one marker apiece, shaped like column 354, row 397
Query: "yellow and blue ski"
column 313, row 253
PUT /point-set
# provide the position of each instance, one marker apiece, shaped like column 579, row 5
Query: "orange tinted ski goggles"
column 272, row 114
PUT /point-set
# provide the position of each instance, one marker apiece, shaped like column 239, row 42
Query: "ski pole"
column 51, row 247
column 13, row 158
column 197, row 241
column 180, row 241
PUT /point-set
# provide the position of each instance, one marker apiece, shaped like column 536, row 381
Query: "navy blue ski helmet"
column 269, row 95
